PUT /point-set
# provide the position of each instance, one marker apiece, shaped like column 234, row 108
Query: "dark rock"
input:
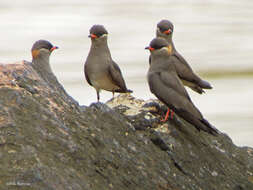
column 48, row 141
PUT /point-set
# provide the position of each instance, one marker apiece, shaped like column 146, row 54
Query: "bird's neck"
column 160, row 55
column 41, row 64
column 100, row 49
column 103, row 46
column 169, row 39
column 157, row 61
column 42, row 67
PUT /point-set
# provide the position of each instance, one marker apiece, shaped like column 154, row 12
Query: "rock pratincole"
column 100, row 70
column 165, row 30
column 41, row 51
column 165, row 84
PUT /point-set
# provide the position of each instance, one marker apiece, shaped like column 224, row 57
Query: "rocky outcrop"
column 48, row 141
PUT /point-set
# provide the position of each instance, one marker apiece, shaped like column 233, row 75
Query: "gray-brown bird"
column 165, row 30
column 100, row 70
column 165, row 84
column 41, row 51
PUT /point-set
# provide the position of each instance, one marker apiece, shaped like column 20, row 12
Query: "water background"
column 215, row 36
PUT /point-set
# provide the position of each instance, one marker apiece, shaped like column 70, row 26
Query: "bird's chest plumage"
column 98, row 72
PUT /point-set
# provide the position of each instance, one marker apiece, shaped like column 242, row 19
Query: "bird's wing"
column 116, row 76
column 171, row 80
column 149, row 60
column 86, row 74
column 169, row 89
column 186, row 73
column 184, row 69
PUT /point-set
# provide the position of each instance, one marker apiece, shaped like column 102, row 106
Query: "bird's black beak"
column 147, row 47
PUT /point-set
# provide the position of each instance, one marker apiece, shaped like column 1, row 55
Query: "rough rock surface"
column 49, row 142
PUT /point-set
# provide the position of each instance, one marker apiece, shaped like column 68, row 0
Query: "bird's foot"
column 169, row 114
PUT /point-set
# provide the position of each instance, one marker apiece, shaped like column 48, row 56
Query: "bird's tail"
column 204, row 84
column 210, row 128
column 129, row 91
column 199, row 124
column 204, row 125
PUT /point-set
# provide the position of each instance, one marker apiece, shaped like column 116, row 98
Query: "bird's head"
column 164, row 29
column 159, row 46
column 98, row 33
column 42, row 48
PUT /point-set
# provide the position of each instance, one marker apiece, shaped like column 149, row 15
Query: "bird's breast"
column 103, row 81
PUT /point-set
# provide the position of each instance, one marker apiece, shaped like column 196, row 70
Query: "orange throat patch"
column 35, row 53
column 169, row 49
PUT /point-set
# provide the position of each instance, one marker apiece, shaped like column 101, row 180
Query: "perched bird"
column 165, row 30
column 41, row 51
column 165, row 84
column 100, row 70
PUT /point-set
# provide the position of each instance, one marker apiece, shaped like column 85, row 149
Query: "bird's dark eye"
column 99, row 34
column 163, row 29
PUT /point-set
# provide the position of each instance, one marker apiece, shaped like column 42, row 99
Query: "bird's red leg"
column 166, row 116
column 171, row 114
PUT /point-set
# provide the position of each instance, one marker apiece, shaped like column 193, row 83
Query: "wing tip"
column 206, row 85
column 210, row 128
column 129, row 91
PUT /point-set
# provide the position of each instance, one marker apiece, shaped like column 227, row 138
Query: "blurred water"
column 213, row 35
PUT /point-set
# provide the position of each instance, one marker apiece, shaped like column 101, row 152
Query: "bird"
column 166, row 85
column 165, row 30
column 41, row 51
column 101, row 72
